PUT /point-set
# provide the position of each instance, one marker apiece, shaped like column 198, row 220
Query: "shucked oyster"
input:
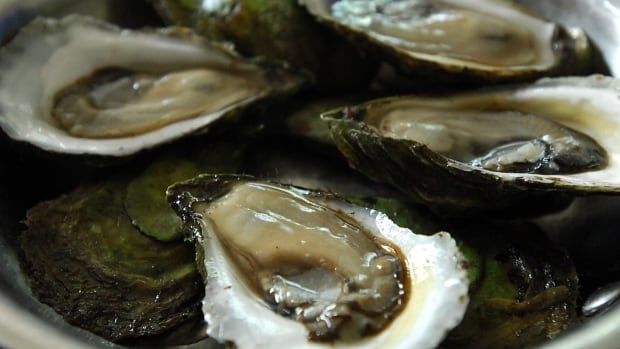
column 288, row 266
column 81, row 86
column 475, row 39
column 490, row 149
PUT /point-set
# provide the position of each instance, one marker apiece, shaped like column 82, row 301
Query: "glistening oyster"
column 81, row 86
column 489, row 150
column 285, row 265
column 458, row 40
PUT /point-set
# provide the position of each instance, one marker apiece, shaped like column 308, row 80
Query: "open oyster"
column 81, row 86
column 286, row 265
column 490, row 149
column 457, row 39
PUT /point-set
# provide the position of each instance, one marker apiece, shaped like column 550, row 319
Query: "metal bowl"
column 588, row 229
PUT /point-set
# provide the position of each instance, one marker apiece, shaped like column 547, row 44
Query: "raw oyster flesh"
column 288, row 265
column 495, row 147
column 81, row 86
column 455, row 40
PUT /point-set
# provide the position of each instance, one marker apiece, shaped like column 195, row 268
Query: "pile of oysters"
column 311, row 173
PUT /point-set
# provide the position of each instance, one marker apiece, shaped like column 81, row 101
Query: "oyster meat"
column 495, row 147
column 80, row 86
column 286, row 265
column 474, row 39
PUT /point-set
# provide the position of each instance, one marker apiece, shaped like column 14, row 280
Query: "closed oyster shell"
column 87, row 261
column 100, row 265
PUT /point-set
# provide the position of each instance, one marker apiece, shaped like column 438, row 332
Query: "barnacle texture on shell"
column 91, row 265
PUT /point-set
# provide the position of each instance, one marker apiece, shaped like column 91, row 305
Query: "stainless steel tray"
column 26, row 323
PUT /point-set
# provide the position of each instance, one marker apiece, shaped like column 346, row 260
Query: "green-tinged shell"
column 278, row 29
column 523, row 291
column 305, row 121
column 397, row 31
column 87, row 261
column 145, row 201
column 587, row 106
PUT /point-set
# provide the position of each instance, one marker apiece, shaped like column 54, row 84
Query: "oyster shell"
column 458, row 40
column 86, row 260
column 81, row 86
column 286, row 265
column 554, row 137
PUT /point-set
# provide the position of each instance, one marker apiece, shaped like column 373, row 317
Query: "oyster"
column 286, row 265
column 80, row 86
column 490, row 149
column 457, row 39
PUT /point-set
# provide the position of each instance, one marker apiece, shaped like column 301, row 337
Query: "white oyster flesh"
column 81, row 86
column 567, row 129
column 285, row 267
column 139, row 103
column 478, row 34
